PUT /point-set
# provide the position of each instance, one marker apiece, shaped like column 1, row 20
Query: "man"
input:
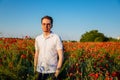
column 48, row 58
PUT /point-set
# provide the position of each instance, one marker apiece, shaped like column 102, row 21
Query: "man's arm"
column 36, row 60
column 60, row 62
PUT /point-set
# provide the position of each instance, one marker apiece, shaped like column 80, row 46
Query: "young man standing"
column 48, row 58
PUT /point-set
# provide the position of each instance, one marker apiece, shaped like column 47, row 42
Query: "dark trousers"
column 42, row 76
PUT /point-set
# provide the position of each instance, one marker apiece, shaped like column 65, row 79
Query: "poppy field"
column 82, row 60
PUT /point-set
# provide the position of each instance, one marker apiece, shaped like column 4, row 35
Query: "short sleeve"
column 59, row 44
column 36, row 45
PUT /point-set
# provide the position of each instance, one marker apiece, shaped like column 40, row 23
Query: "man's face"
column 46, row 25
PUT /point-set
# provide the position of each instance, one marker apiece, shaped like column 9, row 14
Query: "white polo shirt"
column 47, row 58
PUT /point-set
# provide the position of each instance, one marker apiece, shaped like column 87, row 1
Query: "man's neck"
column 46, row 34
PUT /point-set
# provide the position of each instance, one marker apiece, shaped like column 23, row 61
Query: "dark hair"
column 47, row 17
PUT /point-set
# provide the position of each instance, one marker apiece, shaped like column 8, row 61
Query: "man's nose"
column 46, row 25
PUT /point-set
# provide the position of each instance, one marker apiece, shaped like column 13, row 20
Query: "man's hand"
column 34, row 69
column 57, row 73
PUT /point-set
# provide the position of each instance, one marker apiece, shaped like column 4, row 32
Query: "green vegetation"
column 95, row 36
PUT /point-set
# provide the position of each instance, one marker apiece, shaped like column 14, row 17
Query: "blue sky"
column 72, row 18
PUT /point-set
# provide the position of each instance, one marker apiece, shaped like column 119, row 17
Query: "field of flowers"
column 83, row 61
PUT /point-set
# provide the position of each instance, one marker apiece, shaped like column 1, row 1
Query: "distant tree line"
column 95, row 36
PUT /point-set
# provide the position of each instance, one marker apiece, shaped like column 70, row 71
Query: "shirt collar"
column 50, row 35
